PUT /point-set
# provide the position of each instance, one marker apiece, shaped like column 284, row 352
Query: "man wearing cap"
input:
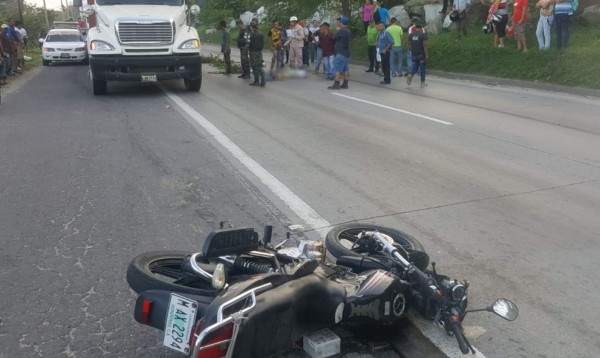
column 257, row 43
column 419, row 48
column 296, row 43
column 342, row 54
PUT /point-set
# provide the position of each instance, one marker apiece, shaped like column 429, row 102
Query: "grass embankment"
column 575, row 66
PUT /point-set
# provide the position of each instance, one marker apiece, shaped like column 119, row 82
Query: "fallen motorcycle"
column 243, row 297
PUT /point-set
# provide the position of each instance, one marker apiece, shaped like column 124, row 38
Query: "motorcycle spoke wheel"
column 161, row 270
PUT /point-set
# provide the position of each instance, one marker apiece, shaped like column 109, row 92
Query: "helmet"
column 454, row 16
column 293, row 18
column 487, row 28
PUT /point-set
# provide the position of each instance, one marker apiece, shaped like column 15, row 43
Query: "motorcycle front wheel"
column 161, row 270
column 342, row 241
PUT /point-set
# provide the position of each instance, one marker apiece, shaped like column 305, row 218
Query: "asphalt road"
column 500, row 184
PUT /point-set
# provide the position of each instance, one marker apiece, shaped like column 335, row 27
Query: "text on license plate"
column 65, row 55
column 148, row 78
column 180, row 321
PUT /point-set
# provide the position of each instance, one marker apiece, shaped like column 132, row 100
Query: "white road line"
column 395, row 109
column 305, row 212
column 298, row 206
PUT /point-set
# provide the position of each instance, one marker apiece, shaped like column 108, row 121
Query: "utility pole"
column 46, row 15
column 20, row 6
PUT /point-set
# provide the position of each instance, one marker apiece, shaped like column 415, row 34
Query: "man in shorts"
column 342, row 54
column 519, row 21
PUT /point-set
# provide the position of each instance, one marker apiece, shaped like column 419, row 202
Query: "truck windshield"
column 140, row 2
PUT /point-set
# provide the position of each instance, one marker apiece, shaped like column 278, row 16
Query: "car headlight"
column 190, row 45
column 48, row 49
column 80, row 49
column 97, row 45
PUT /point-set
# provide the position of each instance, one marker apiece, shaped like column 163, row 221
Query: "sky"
column 50, row 4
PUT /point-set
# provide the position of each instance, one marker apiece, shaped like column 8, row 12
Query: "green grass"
column 575, row 66
column 36, row 58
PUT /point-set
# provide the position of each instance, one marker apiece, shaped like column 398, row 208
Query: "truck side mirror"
column 77, row 3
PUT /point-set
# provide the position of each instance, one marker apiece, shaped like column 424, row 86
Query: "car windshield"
column 140, row 2
column 64, row 38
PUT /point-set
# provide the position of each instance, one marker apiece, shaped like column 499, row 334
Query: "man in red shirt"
column 519, row 21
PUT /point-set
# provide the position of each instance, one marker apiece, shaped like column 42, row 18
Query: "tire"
column 336, row 247
column 193, row 85
column 142, row 274
column 100, row 87
column 45, row 62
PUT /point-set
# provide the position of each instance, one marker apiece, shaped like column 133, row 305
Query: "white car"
column 64, row 45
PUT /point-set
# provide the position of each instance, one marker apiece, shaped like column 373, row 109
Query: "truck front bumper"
column 138, row 68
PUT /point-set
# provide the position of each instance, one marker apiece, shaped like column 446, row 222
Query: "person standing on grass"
column 226, row 47
column 419, row 47
column 342, row 54
column 545, row 23
column 519, row 22
column 243, row 42
column 461, row 24
column 367, row 15
column 563, row 10
column 396, row 51
column 385, row 43
column 499, row 19
column 372, row 47
column 5, row 46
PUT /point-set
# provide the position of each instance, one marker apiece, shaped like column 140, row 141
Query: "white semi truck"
column 143, row 41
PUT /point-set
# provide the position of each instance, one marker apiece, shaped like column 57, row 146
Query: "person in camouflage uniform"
column 257, row 43
column 243, row 43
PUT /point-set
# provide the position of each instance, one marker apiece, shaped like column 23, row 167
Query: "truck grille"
column 145, row 32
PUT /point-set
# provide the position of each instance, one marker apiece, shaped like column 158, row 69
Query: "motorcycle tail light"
column 146, row 306
column 215, row 346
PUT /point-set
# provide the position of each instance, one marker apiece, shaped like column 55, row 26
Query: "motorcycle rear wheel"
column 341, row 239
column 161, row 270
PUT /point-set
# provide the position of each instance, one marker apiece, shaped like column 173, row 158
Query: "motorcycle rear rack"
column 235, row 317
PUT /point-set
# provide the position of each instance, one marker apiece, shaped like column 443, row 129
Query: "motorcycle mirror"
column 219, row 278
column 505, row 309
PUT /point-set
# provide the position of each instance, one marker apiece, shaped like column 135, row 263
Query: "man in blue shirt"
column 385, row 42
column 342, row 54
column 384, row 14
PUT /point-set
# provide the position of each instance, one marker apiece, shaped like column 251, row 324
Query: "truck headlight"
column 190, row 45
column 97, row 45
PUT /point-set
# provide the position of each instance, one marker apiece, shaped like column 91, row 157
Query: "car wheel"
column 45, row 62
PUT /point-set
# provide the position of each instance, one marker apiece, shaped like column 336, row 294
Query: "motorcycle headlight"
column 190, row 45
column 97, row 45
column 458, row 292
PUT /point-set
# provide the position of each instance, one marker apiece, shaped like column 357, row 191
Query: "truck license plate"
column 180, row 321
column 148, row 78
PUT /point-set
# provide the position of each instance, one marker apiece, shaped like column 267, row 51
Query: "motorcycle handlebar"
column 456, row 328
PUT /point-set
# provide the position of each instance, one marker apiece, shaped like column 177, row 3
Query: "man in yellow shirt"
column 396, row 52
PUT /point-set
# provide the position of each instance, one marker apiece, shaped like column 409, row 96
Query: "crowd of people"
column 13, row 46
column 300, row 46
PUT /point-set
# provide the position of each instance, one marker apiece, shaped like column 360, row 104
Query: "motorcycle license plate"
column 148, row 78
column 180, row 321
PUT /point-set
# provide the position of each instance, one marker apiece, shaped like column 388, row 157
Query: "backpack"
column 376, row 16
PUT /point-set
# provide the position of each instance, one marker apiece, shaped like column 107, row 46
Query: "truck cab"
column 142, row 41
